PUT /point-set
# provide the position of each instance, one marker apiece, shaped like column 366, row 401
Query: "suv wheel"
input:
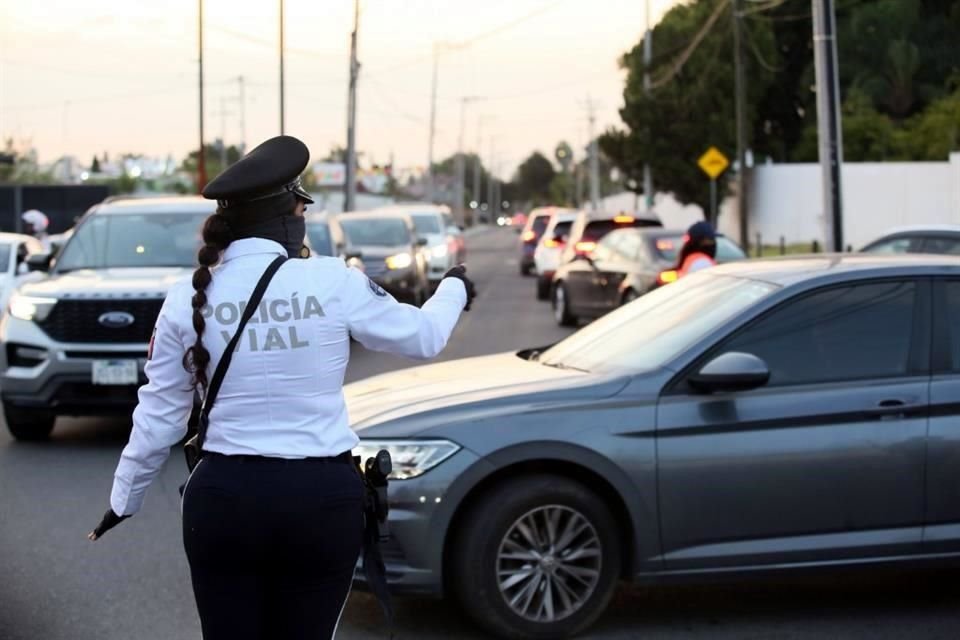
column 28, row 424
column 537, row 557
column 561, row 308
column 543, row 288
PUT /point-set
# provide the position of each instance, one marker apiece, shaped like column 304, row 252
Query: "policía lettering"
column 278, row 311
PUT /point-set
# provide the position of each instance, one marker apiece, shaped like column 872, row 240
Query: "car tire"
column 29, row 425
column 525, row 269
column 629, row 296
column 496, row 523
column 561, row 307
column 543, row 289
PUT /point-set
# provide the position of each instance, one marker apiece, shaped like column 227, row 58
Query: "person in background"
column 699, row 249
column 36, row 223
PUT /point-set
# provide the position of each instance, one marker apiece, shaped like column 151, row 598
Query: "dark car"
column 626, row 264
column 537, row 222
column 591, row 226
column 327, row 237
column 761, row 416
column 942, row 239
column 393, row 255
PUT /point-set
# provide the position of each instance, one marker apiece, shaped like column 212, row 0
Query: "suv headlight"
column 439, row 251
column 31, row 307
column 411, row 458
column 399, row 261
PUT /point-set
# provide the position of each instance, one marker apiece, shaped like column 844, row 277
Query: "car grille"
column 78, row 320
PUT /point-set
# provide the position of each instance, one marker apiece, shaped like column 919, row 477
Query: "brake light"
column 624, row 219
column 585, row 246
column 552, row 244
column 668, row 276
column 528, row 236
column 665, row 245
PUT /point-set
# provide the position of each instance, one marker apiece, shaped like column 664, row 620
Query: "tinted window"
column 895, row 245
column 320, row 240
column 846, row 333
column 666, row 248
column 379, row 232
column 539, row 224
column 134, row 240
column 599, row 228
column 5, row 256
column 948, row 246
column 426, row 223
column 562, row 229
column 953, row 322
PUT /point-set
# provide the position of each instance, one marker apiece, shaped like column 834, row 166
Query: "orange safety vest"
column 693, row 257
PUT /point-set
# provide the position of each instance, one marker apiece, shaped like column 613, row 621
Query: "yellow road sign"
column 713, row 162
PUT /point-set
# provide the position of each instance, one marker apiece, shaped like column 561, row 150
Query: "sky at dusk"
column 86, row 76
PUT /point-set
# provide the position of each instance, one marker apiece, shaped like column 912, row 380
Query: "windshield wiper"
column 565, row 367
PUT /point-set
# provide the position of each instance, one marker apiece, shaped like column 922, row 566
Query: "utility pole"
column 491, row 180
column 242, row 98
column 647, row 61
column 282, row 107
column 828, row 119
column 350, row 184
column 223, row 132
column 459, row 211
column 201, row 158
column 594, row 160
column 476, row 164
column 740, row 90
column 433, row 122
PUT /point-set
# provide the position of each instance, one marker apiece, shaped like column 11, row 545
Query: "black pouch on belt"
column 376, row 507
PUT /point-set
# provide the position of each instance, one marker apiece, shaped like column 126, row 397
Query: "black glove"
column 109, row 521
column 460, row 273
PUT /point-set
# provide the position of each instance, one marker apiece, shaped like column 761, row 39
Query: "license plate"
column 115, row 372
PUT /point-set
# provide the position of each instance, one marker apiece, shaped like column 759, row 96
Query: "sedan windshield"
column 134, row 240
column 426, row 223
column 319, row 234
column 376, row 232
column 648, row 333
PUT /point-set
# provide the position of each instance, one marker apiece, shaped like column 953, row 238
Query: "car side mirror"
column 39, row 261
column 732, row 371
column 421, row 242
column 353, row 255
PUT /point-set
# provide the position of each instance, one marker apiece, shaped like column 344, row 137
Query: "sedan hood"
column 86, row 283
column 434, row 394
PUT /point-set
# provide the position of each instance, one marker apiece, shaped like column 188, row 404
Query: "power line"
column 694, row 45
column 759, row 56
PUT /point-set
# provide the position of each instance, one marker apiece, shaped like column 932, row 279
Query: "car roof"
column 374, row 214
column 601, row 216
column 790, row 270
column 549, row 211
column 924, row 229
column 415, row 208
column 14, row 237
column 159, row 204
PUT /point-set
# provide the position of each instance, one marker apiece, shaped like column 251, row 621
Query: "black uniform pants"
column 272, row 544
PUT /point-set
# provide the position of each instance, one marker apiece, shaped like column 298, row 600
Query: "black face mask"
column 289, row 230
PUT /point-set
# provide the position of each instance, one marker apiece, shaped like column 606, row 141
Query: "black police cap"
column 272, row 168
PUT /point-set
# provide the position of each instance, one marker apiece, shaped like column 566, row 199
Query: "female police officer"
column 272, row 516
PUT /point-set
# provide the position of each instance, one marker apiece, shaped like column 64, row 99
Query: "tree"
column 212, row 157
column 935, row 133
column 95, row 165
column 533, row 179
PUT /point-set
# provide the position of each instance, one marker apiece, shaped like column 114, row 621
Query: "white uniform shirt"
column 283, row 392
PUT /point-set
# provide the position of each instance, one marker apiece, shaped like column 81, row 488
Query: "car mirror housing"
column 421, row 242
column 731, row 371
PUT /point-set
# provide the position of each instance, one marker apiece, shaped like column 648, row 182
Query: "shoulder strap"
column 214, row 387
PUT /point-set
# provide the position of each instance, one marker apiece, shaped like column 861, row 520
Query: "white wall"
column 786, row 200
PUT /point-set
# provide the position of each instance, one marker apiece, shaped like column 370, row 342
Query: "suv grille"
column 78, row 320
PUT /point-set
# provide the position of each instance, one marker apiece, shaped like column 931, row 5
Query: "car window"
column 953, row 323
column 666, row 248
column 377, row 232
column 943, row 246
column 628, row 247
column 5, row 249
column 895, row 246
column 426, row 223
column 134, row 240
column 539, row 224
column 650, row 332
column 562, row 229
column 320, row 239
column 854, row 332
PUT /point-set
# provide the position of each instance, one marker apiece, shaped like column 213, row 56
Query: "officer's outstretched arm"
column 160, row 419
column 381, row 323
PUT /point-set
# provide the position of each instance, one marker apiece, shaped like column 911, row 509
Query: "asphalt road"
column 134, row 584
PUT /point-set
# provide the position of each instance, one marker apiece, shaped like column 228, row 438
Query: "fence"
column 62, row 204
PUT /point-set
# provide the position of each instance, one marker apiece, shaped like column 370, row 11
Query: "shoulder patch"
column 376, row 289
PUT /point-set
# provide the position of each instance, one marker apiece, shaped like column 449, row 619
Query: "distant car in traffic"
column 756, row 418
column 15, row 248
column 394, row 256
column 626, row 264
column 591, row 226
column 445, row 246
column 518, row 220
column 546, row 257
column 939, row 239
column 75, row 341
column 536, row 224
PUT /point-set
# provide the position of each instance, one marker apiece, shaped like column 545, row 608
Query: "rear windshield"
column 562, row 229
column 668, row 247
column 599, row 228
column 426, row 223
column 377, row 232
column 319, row 234
column 539, row 224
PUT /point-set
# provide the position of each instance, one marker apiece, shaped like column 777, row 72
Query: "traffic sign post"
column 713, row 163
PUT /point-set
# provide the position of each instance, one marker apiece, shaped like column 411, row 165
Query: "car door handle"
column 893, row 408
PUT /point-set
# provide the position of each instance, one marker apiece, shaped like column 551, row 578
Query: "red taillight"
column 624, row 219
column 665, row 245
column 585, row 246
column 528, row 236
column 668, row 276
column 552, row 244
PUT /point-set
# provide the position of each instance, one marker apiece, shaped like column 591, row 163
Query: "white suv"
column 75, row 342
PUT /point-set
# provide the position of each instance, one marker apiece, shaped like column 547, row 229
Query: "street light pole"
column 350, row 186
column 647, row 61
column 201, row 158
column 433, row 122
column 460, row 161
column 282, row 107
column 828, row 119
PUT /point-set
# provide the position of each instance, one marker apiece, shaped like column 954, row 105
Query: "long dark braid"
column 216, row 238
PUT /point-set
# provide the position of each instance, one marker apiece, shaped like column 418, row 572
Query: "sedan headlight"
column 399, row 261
column 31, row 307
column 411, row 458
column 439, row 251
